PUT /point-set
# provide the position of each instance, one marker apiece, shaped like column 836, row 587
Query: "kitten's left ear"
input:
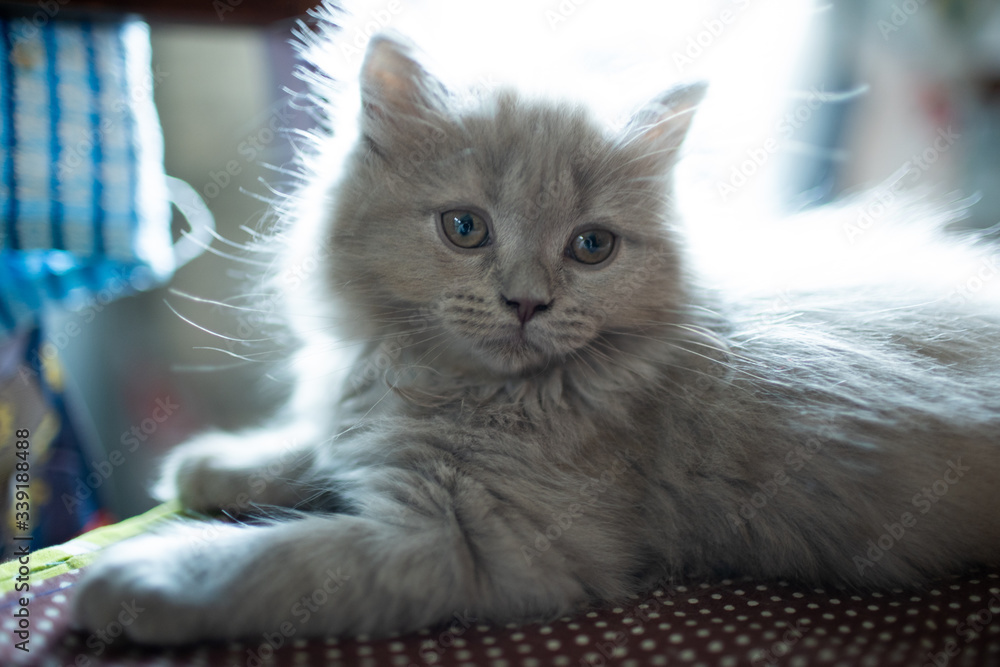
column 663, row 123
column 398, row 95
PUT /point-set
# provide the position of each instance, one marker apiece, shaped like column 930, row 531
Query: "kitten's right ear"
column 663, row 124
column 397, row 95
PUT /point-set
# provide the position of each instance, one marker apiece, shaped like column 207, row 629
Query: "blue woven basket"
column 84, row 205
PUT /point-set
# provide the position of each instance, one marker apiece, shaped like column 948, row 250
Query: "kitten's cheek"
column 566, row 339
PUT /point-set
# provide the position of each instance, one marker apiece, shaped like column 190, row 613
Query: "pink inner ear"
column 668, row 118
column 390, row 78
column 401, row 101
column 384, row 72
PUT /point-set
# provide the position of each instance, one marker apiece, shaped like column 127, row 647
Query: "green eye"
column 592, row 246
column 465, row 228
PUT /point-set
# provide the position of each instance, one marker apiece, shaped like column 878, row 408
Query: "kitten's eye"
column 592, row 246
column 465, row 228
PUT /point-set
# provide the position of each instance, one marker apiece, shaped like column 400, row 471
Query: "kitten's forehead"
column 538, row 195
column 542, row 140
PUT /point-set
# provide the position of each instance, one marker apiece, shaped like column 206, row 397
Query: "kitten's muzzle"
column 526, row 308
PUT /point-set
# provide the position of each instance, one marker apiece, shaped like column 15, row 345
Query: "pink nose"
column 526, row 308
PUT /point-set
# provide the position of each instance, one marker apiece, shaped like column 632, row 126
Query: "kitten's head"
column 502, row 234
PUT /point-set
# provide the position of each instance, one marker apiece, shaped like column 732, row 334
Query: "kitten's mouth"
column 504, row 347
column 517, row 350
column 517, row 341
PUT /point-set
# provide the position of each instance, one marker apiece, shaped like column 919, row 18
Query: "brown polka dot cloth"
column 954, row 623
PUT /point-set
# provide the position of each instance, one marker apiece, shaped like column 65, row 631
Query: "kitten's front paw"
column 231, row 472
column 197, row 475
column 151, row 590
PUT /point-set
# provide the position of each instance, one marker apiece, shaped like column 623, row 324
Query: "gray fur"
column 644, row 425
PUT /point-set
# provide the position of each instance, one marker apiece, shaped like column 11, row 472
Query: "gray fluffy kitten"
column 549, row 408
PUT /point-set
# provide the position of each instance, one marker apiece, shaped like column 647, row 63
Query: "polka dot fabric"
column 954, row 623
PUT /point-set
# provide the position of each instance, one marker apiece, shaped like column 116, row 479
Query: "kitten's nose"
column 526, row 307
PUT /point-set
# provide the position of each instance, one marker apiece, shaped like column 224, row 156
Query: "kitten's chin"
column 513, row 361
column 507, row 353
column 515, row 355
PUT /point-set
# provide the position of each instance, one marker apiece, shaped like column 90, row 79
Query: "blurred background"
column 809, row 102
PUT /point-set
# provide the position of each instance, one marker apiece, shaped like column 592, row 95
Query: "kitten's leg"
column 236, row 472
column 426, row 547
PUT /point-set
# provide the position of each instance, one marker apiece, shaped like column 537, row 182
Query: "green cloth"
column 81, row 551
